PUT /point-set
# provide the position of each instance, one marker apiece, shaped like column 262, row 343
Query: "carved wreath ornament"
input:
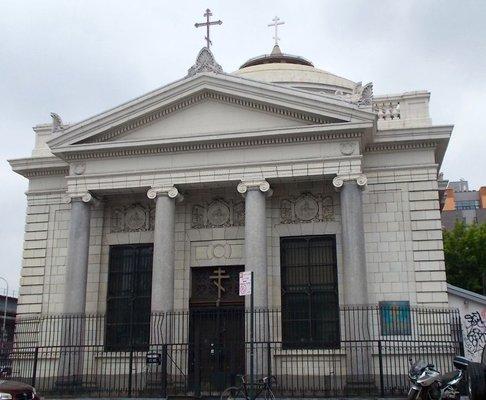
column 306, row 208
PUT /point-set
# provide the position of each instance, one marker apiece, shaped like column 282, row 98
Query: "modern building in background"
column 7, row 336
column 458, row 203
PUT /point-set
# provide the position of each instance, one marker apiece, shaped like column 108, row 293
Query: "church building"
column 141, row 218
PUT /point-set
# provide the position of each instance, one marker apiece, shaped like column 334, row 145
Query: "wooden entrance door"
column 217, row 329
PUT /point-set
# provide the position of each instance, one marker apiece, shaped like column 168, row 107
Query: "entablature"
column 212, row 142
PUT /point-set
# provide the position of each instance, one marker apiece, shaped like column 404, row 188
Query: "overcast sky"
column 79, row 58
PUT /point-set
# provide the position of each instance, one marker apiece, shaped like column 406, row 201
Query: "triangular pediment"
column 209, row 113
column 207, row 104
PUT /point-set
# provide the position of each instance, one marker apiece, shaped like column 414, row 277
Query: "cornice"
column 208, row 95
column 426, row 132
column 239, row 142
column 45, row 172
column 39, row 166
column 389, row 146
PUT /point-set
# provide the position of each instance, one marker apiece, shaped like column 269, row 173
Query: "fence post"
column 130, row 367
column 164, row 371
column 34, row 368
column 380, row 362
column 197, row 369
column 269, row 360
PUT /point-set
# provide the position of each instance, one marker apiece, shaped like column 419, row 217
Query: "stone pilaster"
column 164, row 248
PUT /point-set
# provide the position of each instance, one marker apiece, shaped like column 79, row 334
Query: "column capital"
column 85, row 197
column 262, row 185
column 170, row 191
column 361, row 180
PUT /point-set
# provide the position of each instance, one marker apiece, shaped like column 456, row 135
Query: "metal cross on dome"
column 276, row 23
column 207, row 24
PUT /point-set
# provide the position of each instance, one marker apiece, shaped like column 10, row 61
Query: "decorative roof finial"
column 56, row 122
column 207, row 24
column 205, row 62
column 276, row 23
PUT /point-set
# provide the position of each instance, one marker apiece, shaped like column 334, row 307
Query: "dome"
column 293, row 71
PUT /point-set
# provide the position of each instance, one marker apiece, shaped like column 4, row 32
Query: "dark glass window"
column 310, row 304
column 467, row 205
column 129, row 295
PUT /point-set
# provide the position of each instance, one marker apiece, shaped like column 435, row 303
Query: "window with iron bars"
column 310, row 303
column 129, row 297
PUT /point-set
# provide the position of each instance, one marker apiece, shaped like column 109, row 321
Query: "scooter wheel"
column 476, row 381
column 413, row 394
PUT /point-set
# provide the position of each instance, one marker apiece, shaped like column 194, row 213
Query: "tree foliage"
column 465, row 256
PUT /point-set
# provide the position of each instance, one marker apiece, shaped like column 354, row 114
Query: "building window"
column 395, row 318
column 310, row 304
column 467, row 205
column 129, row 295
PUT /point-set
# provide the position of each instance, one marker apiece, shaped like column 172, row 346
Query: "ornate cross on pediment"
column 207, row 24
column 217, row 278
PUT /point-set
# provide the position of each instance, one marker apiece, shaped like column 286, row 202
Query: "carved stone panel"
column 218, row 213
column 306, row 208
column 217, row 252
column 132, row 218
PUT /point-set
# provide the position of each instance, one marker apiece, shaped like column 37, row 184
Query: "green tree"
column 465, row 256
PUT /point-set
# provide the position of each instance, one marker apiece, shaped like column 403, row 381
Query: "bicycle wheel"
column 269, row 394
column 231, row 393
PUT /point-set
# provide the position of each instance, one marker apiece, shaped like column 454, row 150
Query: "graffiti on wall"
column 475, row 326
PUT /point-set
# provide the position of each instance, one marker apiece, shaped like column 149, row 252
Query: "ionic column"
column 73, row 323
column 77, row 259
column 255, row 193
column 353, row 244
column 164, row 248
column 357, row 318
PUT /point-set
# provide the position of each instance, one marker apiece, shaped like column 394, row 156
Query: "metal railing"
column 200, row 351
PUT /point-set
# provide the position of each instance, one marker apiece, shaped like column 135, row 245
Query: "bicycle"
column 241, row 392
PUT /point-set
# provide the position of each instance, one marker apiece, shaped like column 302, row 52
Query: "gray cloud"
column 81, row 57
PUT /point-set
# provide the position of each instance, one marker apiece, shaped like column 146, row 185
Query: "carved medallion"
column 346, row 148
column 306, row 208
column 136, row 218
column 132, row 218
column 79, row 168
column 218, row 214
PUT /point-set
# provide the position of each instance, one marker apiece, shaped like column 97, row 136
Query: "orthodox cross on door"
column 207, row 24
column 217, row 278
column 276, row 23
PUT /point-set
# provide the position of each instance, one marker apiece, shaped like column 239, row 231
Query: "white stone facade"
column 209, row 132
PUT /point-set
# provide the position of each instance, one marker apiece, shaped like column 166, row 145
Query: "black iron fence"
column 357, row 351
